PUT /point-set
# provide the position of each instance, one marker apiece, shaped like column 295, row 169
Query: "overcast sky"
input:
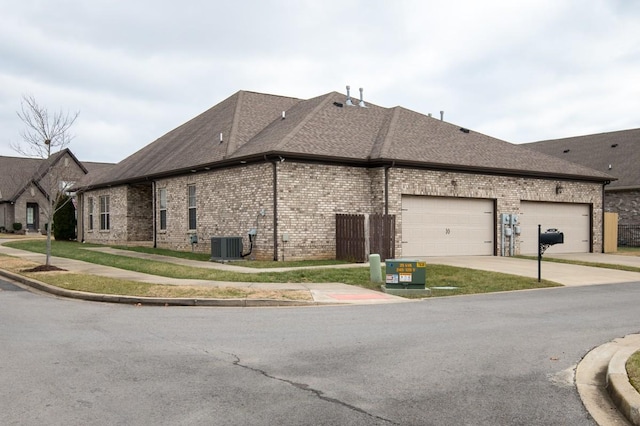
column 520, row 70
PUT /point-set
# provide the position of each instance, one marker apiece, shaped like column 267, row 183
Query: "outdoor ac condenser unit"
column 226, row 248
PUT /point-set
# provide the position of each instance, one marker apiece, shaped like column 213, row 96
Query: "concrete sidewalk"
column 322, row 293
column 565, row 274
column 338, row 293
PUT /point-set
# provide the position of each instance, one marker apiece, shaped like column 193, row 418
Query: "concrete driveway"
column 562, row 273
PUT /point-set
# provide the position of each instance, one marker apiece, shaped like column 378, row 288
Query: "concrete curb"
column 603, row 384
column 623, row 394
column 155, row 301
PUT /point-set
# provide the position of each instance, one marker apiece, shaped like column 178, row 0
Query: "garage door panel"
column 439, row 226
column 574, row 220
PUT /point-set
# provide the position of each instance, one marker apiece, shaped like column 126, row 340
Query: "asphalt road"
column 497, row 359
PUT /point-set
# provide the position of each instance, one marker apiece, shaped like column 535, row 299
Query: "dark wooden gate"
column 350, row 238
column 382, row 235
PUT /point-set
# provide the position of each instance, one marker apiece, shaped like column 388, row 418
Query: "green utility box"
column 406, row 274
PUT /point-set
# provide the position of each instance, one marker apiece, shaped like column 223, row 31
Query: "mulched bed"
column 44, row 268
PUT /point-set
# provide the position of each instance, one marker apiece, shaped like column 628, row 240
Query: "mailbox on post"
column 545, row 240
column 551, row 237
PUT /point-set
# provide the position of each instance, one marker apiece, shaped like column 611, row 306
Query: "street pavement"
column 491, row 359
column 591, row 370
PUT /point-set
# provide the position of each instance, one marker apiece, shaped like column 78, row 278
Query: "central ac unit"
column 226, row 248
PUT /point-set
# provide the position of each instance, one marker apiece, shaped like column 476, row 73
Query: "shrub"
column 64, row 220
column 17, row 226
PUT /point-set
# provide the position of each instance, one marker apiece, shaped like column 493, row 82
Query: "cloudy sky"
column 520, row 71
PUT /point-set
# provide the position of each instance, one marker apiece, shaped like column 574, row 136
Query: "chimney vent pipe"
column 361, row 98
column 348, row 102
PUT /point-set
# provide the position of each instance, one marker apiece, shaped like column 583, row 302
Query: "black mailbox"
column 551, row 237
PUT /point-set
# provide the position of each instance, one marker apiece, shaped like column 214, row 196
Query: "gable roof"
column 616, row 153
column 324, row 128
column 18, row 173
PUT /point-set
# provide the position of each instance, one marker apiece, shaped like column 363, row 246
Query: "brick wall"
column 309, row 197
column 66, row 169
column 117, row 232
column 229, row 203
column 232, row 201
column 140, row 212
column 626, row 204
column 506, row 191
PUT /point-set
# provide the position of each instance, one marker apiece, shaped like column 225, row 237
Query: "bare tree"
column 44, row 136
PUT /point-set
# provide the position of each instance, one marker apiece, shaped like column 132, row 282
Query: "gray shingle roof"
column 17, row 173
column 326, row 128
column 620, row 150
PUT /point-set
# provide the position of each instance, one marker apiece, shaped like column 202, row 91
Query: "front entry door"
column 32, row 216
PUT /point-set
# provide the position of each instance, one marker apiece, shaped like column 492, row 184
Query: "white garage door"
column 571, row 219
column 442, row 226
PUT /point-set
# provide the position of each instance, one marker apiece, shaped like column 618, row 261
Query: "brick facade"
column 626, row 204
column 65, row 170
column 232, row 201
column 229, row 203
column 507, row 192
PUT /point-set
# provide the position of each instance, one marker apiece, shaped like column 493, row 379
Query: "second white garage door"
column 443, row 226
column 573, row 220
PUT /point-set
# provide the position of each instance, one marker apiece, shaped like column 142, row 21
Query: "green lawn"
column 466, row 281
column 633, row 370
column 629, row 250
column 581, row 263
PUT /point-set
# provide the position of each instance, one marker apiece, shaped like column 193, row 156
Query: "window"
column 192, row 206
column 90, row 208
column 162, row 195
column 104, row 213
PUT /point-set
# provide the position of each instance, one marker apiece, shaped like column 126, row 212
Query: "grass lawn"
column 106, row 285
column 466, row 281
column 581, row 263
column 633, row 370
column 629, row 251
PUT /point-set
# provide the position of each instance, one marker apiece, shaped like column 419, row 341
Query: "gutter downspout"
column 80, row 222
column 603, row 212
column 154, row 207
column 275, row 207
column 386, row 187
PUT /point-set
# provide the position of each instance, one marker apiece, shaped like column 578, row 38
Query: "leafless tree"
column 43, row 136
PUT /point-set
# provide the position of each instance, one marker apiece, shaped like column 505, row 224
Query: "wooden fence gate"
column 382, row 235
column 350, row 238
column 354, row 243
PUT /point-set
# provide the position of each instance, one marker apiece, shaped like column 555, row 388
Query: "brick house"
column 285, row 167
column 26, row 184
column 616, row 153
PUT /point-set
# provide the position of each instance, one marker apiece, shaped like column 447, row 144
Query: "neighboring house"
column 283, row 168
column 616, row 153
column 25, row 184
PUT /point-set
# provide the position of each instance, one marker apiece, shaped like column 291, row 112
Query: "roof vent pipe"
column 348, row 102
column 220, row 137
column 284, row 114
column 441, row 115
column 361, row 98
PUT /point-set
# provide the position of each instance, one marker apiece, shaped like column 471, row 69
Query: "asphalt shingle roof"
column 16, row 173
column 620, row 150
column 326, row 128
